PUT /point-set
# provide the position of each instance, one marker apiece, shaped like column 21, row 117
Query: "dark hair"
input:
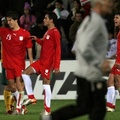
column 117, row 13
column 79, row 12
column 78, row 1
column 59, row 1
column 12, row 14
column 52, row 16
column 111, row 31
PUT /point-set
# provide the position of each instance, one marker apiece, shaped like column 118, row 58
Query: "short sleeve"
column 2, row 31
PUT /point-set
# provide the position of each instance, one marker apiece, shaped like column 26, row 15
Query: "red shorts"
column 40, row 69
column 115, row 71
column 13, row 73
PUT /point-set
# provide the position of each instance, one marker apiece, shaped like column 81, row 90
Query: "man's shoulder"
column 54, row 30
column 24, row 31
column 5, row 29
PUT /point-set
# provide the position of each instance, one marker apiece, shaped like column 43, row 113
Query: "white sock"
column 114, row 100
column 28, row 84
column 20, row 98
column 47, row 97
column 110, row 94
column 15, row 94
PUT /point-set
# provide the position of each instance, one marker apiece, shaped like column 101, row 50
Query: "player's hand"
column 106, row 66
column 31, row 61
column 56, row 71
column 33, row 37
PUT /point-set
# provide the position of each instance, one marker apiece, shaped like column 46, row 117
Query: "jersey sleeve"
column 28, row 40
column 39, row 41
column 118, row 50
column 57, row 50
column 2, row 30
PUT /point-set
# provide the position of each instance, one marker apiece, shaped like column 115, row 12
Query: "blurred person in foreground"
column 91, row 46
column 114, row 77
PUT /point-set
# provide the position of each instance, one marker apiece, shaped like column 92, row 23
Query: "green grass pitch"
column 34, row 111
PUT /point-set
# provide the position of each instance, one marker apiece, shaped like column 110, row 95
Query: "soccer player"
column 15, row 40
column 91, row 46
column 8, row 99
column 49, row 61
column 114, row 77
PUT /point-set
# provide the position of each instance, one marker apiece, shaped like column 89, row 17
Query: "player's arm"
column 30, row 55
column 1, row 33
column 38, row 40
column 57, row 52
column 29, row 46
column 117, row 63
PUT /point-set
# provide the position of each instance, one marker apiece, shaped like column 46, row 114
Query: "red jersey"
column 118, row 48
column 14, row 45
column 51, row 50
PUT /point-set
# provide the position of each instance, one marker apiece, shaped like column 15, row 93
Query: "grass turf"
column 34, row 111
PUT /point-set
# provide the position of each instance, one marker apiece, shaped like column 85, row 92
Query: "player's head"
column 117, row 19
column 50, row 18
column 103, row 6
column 12, row 19
column 59, row 4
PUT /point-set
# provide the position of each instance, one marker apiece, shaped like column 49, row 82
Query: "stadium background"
column 63, row 86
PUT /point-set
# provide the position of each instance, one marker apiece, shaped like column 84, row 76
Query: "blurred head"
column 27, row 8
column 111, row 36
column 104, row 6
column 50, row 18
column 12, row 19
column 117, row 19
column 59, row 4
column 78, row 16
column 76, row 4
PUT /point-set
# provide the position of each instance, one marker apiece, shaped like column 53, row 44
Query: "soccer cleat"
column 29, row 101
column 16, row 112
column 24, row 110
column 44, row 112
column 45, row 115
column 110, row 109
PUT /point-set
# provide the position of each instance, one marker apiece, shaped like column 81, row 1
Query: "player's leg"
column 6, row 92
column 117, row 81
column 114, row 99
column 111, row 91
column 11, row 83
column 47, row 95
column 7, row 100
column 47, row 76
column 117, row 87
column 28, row 84
column 20, row 95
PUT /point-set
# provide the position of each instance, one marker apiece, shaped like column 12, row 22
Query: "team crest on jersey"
column 48, row 37
column 21, row 38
